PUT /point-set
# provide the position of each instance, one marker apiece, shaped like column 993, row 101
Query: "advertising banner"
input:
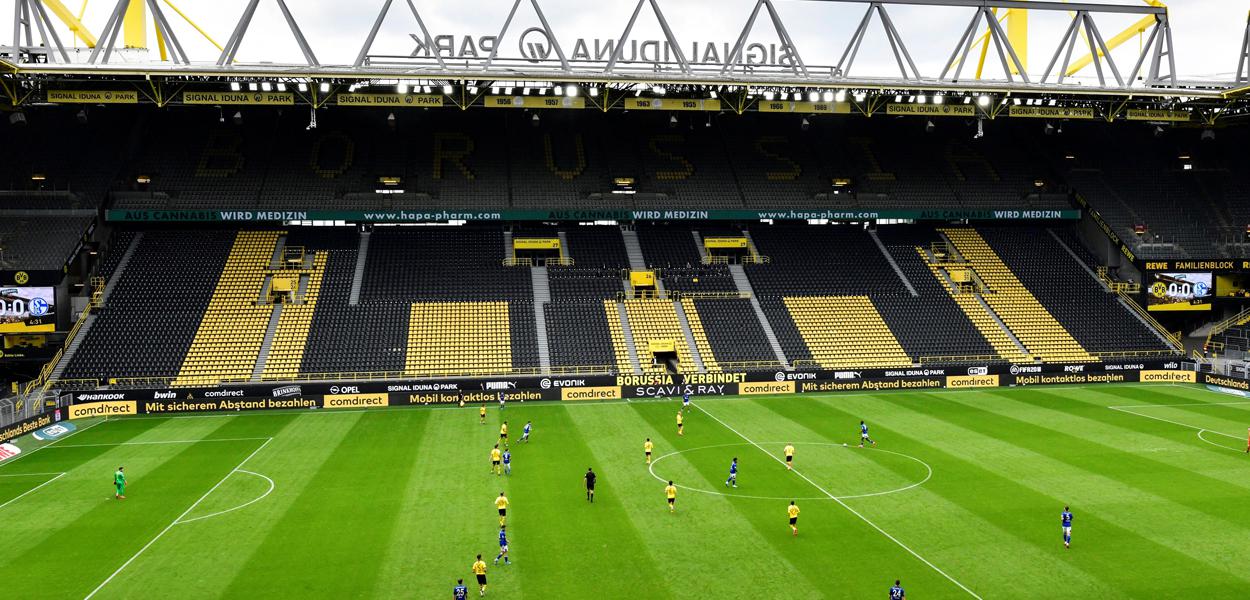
column 21, row 428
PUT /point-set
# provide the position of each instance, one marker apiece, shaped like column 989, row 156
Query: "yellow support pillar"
column 136, row 25
column 1018, row 35
column 73, row 22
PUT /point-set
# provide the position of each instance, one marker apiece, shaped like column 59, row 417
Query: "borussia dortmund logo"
column 1159, row 289
column 21, row 277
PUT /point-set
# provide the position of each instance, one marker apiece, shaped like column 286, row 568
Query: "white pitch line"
column 49, row 444
column 175, row 521
column 847, row 507
column 155, row 443
column 272, row 485
column 1124, row 410
column 31, row 491
column 1189, row 404
column 29, row 474
column 1201, row 431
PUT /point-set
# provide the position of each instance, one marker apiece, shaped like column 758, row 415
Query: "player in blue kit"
column 503, row 547
column 460, row 592
column 525, row 433
column 863, row 435
column 507, row 462
column 896, row 592
column 733, row 473
column 685, row 402
column 1066, row 518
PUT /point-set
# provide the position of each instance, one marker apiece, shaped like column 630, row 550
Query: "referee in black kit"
column 590, row 484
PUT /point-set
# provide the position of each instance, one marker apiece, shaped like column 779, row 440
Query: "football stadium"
column 533, row 299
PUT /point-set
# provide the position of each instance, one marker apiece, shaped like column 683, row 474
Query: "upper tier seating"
column 39, row 242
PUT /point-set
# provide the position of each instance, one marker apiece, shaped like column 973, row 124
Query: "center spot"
column 845, row 472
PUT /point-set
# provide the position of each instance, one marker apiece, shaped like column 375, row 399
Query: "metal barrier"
column 971, row 358
column 1173, row 339
column 1240, row 318
column 748, row 365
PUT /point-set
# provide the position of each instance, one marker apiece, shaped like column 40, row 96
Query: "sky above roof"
column 1207, row 33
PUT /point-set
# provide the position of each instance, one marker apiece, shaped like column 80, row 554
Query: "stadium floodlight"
column 813, row 96
column 234, row 86
column 659, row 90
column 507, row 91
column 898, row 97
column 840, row 96
column 571, row 91
column 303, row 87
column 672, row 120
column 525, row 91
column 1053, row 102
column 325, row 87
column 967, row 99
column 827, row 96
column 983, row 101
column 281, row 87
column 251, row 87
column 859, row 96
column 769, row 96
column 425, row 89
column 712, row 94
column 1016, row 101
column 447, row 89
column 266, row 86
column 559, row 90
column 534, row 120
column 804, row 124
column 473, row 90
column 929, row 127
column 401, row 87
column 237, row 118
column 921, row 99
column 494, row 90
column 594, row 92
column 939, row 99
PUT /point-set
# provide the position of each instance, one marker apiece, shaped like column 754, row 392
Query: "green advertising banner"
column 407, row 216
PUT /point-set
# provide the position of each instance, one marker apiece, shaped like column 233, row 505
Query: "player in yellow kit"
column 671, row 493
column 679, row 423
column 495, row 458
column 789, row 452
column 646, row 447
column 479, row 569
column 793, row 511
column 503, row 434
column 501, row 503
column 481, row 414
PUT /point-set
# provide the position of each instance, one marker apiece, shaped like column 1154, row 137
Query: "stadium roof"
column 980, row 64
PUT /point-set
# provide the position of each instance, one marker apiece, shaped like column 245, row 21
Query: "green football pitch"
column 960, row 498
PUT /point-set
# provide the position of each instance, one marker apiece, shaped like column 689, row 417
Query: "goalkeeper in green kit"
column 119, row 482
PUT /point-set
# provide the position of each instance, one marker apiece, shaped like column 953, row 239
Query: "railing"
column 1173, row 339
column 518, row 262
column 1133, row 354
column 97, row 292
column 42, row 383
column 715, row 260
column 562, row 261
column 1238, row 319
column 968, row 358
column 1126, row 287
column 756, row 259
column 710, row 295
column 748, row 365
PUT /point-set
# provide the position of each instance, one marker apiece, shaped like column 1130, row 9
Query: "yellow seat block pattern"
column 846, row 332
column 458, row 338
column 1032, row 324
column 656, row 320
column 230, row 335
column 981, row 319
column 623, row 364
column 287, row 352
column 700, row 336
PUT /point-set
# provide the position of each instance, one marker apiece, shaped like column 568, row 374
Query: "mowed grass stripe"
column 1024, row 492
column 840, row 551
column 954, row 529
column 447, row 511
column 331, row 539
column 1004, row 448
column 200, row 559
column 1180, row 448
column 99, row 534
column 565, row 545
column 709, row 548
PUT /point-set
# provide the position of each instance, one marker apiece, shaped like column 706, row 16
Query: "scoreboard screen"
column 1180, row 291
column 27, row 309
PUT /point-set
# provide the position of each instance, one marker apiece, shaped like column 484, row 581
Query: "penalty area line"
column 1200, row 429
column 883, row 532
column 31, row 490
column 176, row 521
